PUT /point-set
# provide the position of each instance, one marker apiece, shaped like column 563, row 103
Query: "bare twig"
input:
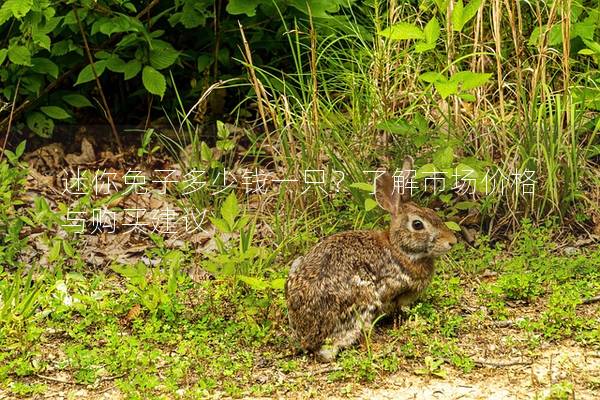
column 10, row 119
column 102, row 97
column 591, row 300
column 501, row 364
column 52, row 379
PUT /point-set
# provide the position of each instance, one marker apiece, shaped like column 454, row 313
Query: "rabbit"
column 347, row 280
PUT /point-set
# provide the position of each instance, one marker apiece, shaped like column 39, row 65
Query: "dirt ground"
column 498, row 379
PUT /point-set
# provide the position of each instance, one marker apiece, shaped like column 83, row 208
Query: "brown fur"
column 350, row 278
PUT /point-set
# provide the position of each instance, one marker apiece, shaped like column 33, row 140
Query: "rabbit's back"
column 336, row 281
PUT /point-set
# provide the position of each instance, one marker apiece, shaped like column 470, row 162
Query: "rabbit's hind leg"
column 346, row 334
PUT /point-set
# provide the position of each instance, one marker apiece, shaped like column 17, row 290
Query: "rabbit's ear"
column 393, row 191
column 386, row 195
column 407, row 170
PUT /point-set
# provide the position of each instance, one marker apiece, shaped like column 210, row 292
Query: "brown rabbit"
column 350, row 278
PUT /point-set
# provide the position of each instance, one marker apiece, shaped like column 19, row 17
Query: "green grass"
column 154, row 332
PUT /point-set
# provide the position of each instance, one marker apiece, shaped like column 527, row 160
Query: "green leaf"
column 431, row 77
column 203, row 62
column 278, row 283
column 370, row 204
column 230, row 209
column 3, row 53
column 470, row 80
column 254, row 283
column 55, row 112
column 316, row 8
column 19, row 55
column 154, row 81
column 593, row 46
column 87, row 73
column 45, row 66
column 54, row 252
column 131, row 69
column 457, row 16
column 237, row 7
column 19, row 8
column 77, row 100
column 403, row 31
column 468, row 97
column 114, row 63
column 443, row 158
column 432, row 31
column 40, row 124
column 42, row 40
column 446, row 88
column 397, row 126
column 425, row 171
column 465, row 205
column 453, row 226
column 162, row 54
column 422, row 47
column 470, row 10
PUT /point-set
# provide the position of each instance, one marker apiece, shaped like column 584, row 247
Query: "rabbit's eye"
column 417, row 225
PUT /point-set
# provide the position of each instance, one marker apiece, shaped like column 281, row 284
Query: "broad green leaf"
column 425, row 171
column 446, row 88
column 42, row 40
column 466, row 171
column 55, row 112
column 19, row 8
column 77, row 100
column 453, row 226
column 593, row 46
column 470, row 80
column 190, row 16
column 230, row 209
column 431, row 77
column 44, row 66
column 470, row 10
column 205, row 152
column 87, row 73
column 457, row 16
column 114, row 63
column 554, row 36
column 131, row 69
column 237, row 7
column 443, row 158
column 162, row 54
column 403, row 31
column 203, row 62
column 40, row 124
column 422, row 47
column 19, row 55
column 3, row 53
column 370, row 204
column 317, row 8
column 432, row 31
column 468, row 97
column 154, row 81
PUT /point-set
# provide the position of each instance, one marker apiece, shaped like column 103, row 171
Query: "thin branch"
column 501, row 364
column 102, row 97
column 10, row 119
column 591, row 300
